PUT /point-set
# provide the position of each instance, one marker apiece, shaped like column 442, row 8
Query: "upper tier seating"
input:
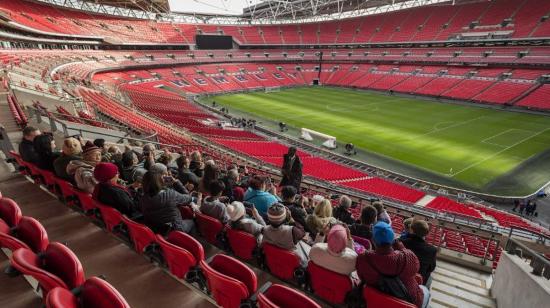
column 447, row 205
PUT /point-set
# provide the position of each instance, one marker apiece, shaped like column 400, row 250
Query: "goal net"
column 328, row 141
column 272, row 89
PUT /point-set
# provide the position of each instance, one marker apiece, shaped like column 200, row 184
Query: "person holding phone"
column 292, row 169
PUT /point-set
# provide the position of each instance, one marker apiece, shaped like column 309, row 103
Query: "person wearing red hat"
column 109, row 192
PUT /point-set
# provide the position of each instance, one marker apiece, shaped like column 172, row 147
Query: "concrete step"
column 440, row 299
column 463, row 295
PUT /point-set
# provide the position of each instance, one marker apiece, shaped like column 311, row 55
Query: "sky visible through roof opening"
column 223, row 7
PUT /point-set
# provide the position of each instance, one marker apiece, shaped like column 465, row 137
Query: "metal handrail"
column 540, row 265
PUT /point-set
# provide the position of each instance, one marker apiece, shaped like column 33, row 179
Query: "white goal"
column 329, row 141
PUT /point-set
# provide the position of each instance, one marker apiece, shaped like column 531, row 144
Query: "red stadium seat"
column 110, row 216
column 56, row 267
column 49, row 179
column 229, row 281
column 375, row 298
column 85, row 201
column 209, row 228
column 242, row 244
column 279, row 296
column 94, row 293
column 328, row 285
column 140, row 235
column 280, row 262
column 23, row 168
column 29, row 233
column 181, row 252
column 9, row 212
column 67, row 191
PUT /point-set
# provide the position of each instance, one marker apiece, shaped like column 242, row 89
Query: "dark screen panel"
column 214, row 41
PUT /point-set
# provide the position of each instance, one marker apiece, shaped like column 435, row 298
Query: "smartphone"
column 167, row 179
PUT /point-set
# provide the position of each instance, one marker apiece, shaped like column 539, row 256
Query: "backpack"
column 392, row 284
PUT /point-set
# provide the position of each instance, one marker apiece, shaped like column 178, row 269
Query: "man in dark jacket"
column 298, row 213
column 26, row 147
column 341, row 212
column 292, row 169
column 425, row 252
column 185, row 175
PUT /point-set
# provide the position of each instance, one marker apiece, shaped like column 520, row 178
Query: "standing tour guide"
column 292, row 169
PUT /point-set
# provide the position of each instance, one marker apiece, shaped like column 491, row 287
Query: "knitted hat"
column 382, row 234
column 276, row 213
column 104, row 172
column 89, row 149
column 337, row 239
column 158, row 168
column 235, row 210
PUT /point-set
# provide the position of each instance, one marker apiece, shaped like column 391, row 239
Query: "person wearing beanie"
column 391, row 258
column 283, row 235
column 109, row 192
column 72, row 150
column 337, row 253
column 160, row 205
column 240, row 221
column 214, row 205
column 83, row 170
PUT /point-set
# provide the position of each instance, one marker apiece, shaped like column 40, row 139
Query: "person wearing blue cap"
column 391, row 265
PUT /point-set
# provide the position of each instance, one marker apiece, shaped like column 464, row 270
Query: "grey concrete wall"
column 514, row 286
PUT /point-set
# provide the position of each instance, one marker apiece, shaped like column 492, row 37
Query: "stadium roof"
column 144, row 5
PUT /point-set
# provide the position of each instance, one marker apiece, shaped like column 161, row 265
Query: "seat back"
column 4, row 228
column 61, row 298
column 35, row 172
column 49, row 178
column 32, row 233
column 28, row 263
column 375, row 298
column 10, row 212
column 140, row 235
column 97, row 292
column 229, row 281
column 178, row 259
column 66, row 189
column 284, row 297
column 20, row 162
column 328, row 285
column 188, row 243
column 110, row 216
column 280, row 262
column 209, row 227
column 242, row 244
column 62, row 262
column 85, row 199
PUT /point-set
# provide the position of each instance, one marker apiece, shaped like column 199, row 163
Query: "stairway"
column 457, row 286
column 7, row 119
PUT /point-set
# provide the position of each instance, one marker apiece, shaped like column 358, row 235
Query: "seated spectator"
column 169, row 180
column 239, row 220
column 283, row 235
column 299, row 214
column 426, row 253
column 100, row 143
column 342, row 212
column 212, row 205
column 211, row 173
column 382, row 214
column 232, row 189
column 160, row 206
column 320, row 219
column 72, row 150
column 112, row 155
column 257, row 194
column 83, row 170
column 337, row 253
column 391, row 259
column 185, row 175
column 44, row 147
column 26, row 147
column 197, row 165
column 130, row 164
column 406, row 228
column 109, row 192
column 363, row 229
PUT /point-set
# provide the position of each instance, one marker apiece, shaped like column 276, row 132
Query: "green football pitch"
column 484, row 149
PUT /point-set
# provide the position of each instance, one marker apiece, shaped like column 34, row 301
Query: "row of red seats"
column 18, row 114
column 444, row 204
column 57, row 269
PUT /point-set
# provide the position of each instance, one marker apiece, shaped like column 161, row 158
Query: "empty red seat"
column 242, row 244
column 85, row 201
column 29, row 233
column 375, row 298
column 67, row 191
column 57, row 266
column 209, row 228
column 328, row 285
column 22, row 164
column 10, row 212
column 279, row 296
column 49, row 179
column 280, row 262
column 140, row 235
column 94, row 293
column 110, row 216
column 181, row 252
column 229, row 281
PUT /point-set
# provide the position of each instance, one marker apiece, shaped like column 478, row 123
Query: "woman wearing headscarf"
column 83, row 170
column 337, row 254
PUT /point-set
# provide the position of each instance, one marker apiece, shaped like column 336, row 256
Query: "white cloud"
column 225, row 7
